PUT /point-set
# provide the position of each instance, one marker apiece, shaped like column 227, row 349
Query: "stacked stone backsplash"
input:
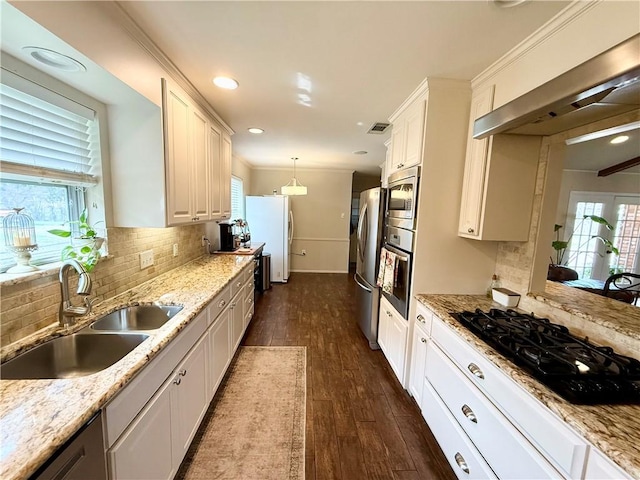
column 28, row 306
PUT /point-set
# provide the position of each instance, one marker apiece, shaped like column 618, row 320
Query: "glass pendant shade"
column 293, row 187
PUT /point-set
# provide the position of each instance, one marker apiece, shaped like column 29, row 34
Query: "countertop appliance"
column 574, row 368
column 368, row 242
column 271, row 222
column 229, row 241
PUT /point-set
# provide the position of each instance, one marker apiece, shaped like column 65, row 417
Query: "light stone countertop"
column 38, row 416
column 614, row 429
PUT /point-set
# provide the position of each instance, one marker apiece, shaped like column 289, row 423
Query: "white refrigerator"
column 271, row 221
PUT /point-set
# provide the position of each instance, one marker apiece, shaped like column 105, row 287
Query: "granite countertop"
column 250, row 250
column 38, row 416
column 614, row 429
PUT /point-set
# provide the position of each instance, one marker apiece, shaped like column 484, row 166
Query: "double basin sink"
column 94, row 348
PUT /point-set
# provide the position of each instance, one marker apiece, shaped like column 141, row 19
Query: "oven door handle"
column 355, row 277
column 398, row 253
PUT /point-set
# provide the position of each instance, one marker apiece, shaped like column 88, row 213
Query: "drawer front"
column 236, row 284
column 249, row 271
column 462, row 455
column 424, row 317
column 509, row 454
column 219, row 303
column 599, row 467
column 558, row 443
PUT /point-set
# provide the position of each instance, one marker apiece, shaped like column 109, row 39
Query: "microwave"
column 402, row 196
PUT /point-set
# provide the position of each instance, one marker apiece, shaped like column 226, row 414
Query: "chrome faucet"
column 68, row 312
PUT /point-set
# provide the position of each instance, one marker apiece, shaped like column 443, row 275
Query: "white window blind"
column 41, row 140
column 237, row 198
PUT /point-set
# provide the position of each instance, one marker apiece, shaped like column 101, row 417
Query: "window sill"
column 49, row 269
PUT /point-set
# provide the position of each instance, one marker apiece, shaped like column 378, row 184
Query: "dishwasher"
column 81, row 458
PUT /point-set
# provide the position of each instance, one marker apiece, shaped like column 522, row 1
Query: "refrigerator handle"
column 355, row 277
column 362, row 231
column 290, row 227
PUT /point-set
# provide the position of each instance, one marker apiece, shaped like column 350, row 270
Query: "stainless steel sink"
column 139, row 317
column 74, row 355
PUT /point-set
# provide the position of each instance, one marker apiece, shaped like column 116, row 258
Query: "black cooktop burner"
column 574, row 368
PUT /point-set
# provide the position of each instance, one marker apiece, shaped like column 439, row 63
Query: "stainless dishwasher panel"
column 81, row 458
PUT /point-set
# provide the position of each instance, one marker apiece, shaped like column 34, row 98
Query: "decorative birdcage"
column 20, row 238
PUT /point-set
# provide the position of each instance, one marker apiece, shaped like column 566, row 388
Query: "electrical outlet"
column 146, row 259
column 175, row 249
column 304, row 252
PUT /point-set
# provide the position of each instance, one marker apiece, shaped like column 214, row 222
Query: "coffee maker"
column 229, row 241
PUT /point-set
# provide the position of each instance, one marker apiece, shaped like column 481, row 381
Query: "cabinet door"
column 418, row 362
column 225, row 177
column 189, row 401
column 414, row 134
column 143, row 452
column 237, row 322
column 397, row 146
column 397, row 345
column 177, row 154
column 219, row 339
column 475, row 168
column 600, row 467
column 200, row 164
column 384, row 319
column 215, row 172
column 248, row 303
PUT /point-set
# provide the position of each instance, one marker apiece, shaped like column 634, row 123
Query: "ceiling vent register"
column 378, row 128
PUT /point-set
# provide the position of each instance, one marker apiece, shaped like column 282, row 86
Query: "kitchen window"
column 49, row 156
column 237, row 198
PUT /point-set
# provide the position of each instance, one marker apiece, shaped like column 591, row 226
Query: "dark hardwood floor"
column 361, row 424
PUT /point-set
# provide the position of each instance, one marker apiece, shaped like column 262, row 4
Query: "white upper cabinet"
column 499, row 181
column 219, row 174
column 407, row 137
column 225, row 176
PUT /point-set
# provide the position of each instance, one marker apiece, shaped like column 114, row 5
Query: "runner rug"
column 255, row 426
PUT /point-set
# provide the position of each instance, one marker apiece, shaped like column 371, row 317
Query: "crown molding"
column 134, row 30
column 423, row 89
column 564, row 18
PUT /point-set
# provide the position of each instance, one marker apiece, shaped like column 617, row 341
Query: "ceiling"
column 316, row 75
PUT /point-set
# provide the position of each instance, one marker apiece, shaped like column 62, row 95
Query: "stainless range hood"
column 604, row 86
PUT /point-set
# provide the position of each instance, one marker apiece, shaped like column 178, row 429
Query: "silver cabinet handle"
column 388, row 313
column 469, row 413
column 177, row 381
column 461, row 463
column 222, row 304
column 238, row 284
column 182, row 372
column 423, row 340
column 473, row 368
column 250, row 300
column 233, row 304
column 421, row 319
column 470, row 230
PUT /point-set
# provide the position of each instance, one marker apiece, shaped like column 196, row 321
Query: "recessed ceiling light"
column 55, row 60
column 226, row 82
column 360, row 152
column 619, row 139
column 255, row 130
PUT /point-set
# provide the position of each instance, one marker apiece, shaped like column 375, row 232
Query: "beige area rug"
column 254, row 429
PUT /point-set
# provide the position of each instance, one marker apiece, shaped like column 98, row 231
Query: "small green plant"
column 560, row 246
column 88, row 251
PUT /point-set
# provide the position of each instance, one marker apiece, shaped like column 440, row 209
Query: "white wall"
column 321, row 217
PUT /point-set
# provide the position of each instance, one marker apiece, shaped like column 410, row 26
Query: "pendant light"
column 293, row 187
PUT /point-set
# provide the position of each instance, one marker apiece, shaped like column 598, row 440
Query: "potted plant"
column 558, row 271
column 86, row 246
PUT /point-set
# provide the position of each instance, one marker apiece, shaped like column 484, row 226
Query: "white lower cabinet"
column 154, row 445
column 600, row 467
column 419, row 340
column 150, row 424
column 392, row 337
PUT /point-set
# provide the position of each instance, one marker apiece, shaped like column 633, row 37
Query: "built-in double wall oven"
column 399, row 233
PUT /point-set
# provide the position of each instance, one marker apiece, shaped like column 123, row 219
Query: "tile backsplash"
column 28, row 306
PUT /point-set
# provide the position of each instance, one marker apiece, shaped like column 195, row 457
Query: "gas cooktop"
column 576, row 369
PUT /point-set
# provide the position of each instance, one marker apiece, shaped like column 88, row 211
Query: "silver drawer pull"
column 182, row 372
column 461, row 463
column 469, row 413
column 177, row 381
column 423, row 340
column 421, row 319
column 238, row 284
column 473, row 368
column 222, row 304
column 250, row 300
column 470, row 230
column 388, row 313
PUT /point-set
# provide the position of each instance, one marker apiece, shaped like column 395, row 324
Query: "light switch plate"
column 146, row 259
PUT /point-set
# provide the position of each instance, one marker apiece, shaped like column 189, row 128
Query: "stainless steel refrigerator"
column 368, row 243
